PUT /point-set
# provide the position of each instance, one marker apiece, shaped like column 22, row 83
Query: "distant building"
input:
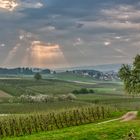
column 35, row 70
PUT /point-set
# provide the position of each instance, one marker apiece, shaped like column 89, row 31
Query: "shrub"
column 43, row 98
column 131, row 136
column 75, row 92
column 91, row 91
column 37, row 98
column 83, row 91
column 71, row 96
column 38, row 76
column 62, row 97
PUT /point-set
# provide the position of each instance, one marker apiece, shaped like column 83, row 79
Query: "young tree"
column 131, row 76
column 38, row 76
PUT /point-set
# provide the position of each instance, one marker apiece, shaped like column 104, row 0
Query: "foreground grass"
column 109, row 131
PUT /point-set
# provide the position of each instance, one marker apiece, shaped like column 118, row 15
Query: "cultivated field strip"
column 33, row 123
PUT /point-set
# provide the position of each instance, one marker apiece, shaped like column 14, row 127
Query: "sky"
column 68, row 33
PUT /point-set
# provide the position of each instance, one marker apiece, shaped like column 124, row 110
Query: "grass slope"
column 73, row 77
column 17, row 87
column 109, row 131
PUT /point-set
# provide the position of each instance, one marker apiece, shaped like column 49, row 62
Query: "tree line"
column 25, row 71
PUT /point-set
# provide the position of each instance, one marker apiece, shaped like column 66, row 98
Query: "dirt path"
column 108, row 121
column 4, row 94
column 127, row 117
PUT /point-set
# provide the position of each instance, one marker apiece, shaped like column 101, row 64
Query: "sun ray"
column 46, row 54
column 11, row 54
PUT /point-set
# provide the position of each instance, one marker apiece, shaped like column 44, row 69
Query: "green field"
column 109, row 131
column 72, row 77
column 110, row 93
column 106, row 93
column 18, row 87
column 21, row 108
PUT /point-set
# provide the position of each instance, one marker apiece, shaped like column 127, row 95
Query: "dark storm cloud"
column 86, row 30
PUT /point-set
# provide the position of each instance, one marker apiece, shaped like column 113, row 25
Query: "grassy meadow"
column 107, row 101
column 110, row 131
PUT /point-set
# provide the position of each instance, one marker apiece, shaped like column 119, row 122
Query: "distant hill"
column 25, row 71
column 102, row 68
column 83, row 74
column 107, row 67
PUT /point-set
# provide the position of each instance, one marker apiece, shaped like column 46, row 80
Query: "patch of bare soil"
column 129, row 116
column 4, row 94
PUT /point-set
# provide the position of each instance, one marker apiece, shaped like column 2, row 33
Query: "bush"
column 43, row 98
column 131, row 136
column 62, row 97
column 75, row 92
column 32, row 99
column 38, row 76
column 91, row 91
column 71, row 96
column 83, row 91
